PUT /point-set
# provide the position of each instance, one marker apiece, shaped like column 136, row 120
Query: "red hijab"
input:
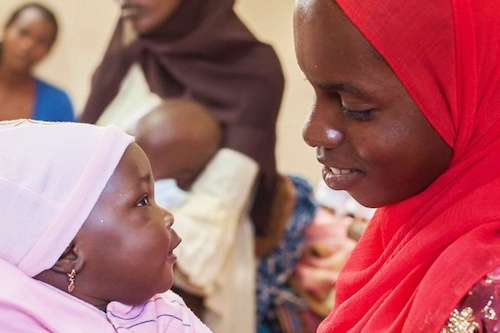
column 206, row 53
column 419, row 258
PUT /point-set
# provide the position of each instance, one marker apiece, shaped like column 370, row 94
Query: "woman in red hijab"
column 405, row 119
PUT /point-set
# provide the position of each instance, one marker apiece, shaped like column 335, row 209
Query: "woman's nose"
column 27, row 43
column 319, row 131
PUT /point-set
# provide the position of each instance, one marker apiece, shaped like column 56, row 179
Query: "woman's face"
column 147, row 15
column 127, row 240
column 369, row 134
column 27, row 40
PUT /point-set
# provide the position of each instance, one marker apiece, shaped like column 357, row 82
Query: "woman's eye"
column 144, row 201
column 43, row 43
column 357, row 115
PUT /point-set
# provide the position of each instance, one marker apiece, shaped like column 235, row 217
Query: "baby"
column 181, row 128
column 83, row 245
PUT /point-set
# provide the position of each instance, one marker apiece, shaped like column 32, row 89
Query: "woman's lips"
column 23, row 59
column 339, row 178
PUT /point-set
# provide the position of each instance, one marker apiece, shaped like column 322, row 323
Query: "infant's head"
column 180, row 137
column 78, row 199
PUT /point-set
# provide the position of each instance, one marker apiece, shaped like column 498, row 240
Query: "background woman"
column 29, row 35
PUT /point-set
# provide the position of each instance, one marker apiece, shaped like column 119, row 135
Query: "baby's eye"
column 144, row 201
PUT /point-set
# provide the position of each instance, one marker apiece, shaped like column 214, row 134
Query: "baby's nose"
column 168, row 219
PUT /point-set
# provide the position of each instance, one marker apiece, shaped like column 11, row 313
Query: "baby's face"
column 128, row 239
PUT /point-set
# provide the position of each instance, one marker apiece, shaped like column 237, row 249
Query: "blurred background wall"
column 86, row 26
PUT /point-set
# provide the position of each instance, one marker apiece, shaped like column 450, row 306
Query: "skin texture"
column 179, row 137
column 147, row 15
column 362, row 119
column 123, row 252
column 27, row 40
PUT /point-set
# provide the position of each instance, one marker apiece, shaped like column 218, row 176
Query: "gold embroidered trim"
column 461, row 322
column 488, row 311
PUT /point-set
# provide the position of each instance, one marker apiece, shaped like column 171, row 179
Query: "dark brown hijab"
column 206, row 53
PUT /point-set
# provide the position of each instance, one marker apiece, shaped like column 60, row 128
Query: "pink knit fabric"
column 28, row 305
column 51, row 176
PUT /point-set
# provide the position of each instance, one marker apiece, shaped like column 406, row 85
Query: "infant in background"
column 179, row 136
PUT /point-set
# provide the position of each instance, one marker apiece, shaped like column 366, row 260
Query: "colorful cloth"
column 418, row 258
column 327, row 246
column 28, row 305
column 51, row 103
column 275, row 269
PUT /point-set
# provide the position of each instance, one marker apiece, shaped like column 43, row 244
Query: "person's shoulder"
column 52, row 103
column 50, row 87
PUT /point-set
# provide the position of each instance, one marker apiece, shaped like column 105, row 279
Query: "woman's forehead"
column 330, row 49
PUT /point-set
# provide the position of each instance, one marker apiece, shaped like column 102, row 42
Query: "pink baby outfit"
column 51, row 176
column 28, row 305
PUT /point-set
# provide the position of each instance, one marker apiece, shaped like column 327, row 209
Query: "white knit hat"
column 51, row 176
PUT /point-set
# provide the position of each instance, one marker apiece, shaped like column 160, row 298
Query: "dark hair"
column 49, row 15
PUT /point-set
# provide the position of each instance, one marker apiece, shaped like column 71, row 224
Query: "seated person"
column 28, row 36
column 83, row 245
column 200, row 49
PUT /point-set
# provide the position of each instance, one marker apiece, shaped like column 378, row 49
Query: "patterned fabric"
column 28, row 305
column 275, row 269
column 478, row 311
column 165, row 312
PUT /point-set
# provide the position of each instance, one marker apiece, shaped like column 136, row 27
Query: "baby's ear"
column 72, row 258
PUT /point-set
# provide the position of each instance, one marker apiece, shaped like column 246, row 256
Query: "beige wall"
column 86, row 26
